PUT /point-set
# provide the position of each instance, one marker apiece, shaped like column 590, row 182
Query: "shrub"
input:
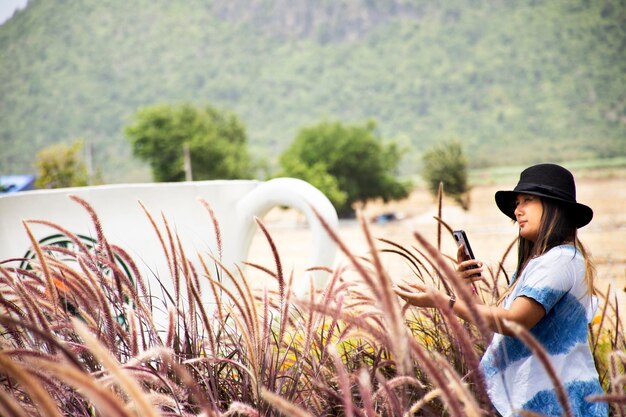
column 361, row 166
column 216, row 141
column 446, row 163
column 61, row 165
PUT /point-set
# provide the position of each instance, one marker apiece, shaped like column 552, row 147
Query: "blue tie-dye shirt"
column 516, row 379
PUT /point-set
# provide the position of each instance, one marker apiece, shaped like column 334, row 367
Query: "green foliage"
column 359, row 164
column 446, row 163
column 317, row 175
column 515, row 80
column 60, row 165
column 216, row 141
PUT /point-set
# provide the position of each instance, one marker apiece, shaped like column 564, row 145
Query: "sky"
column 7, row 7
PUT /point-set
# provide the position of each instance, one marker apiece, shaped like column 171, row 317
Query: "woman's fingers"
column 403, row 293
column 470, row 269
column 460, row 253
column 470, row 263
column 419, row 299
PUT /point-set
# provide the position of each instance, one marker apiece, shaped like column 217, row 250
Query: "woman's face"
column 528, row 211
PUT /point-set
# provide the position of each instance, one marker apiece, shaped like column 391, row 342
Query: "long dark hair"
column 555, row 228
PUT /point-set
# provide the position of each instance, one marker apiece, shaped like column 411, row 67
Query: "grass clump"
column 80, row 337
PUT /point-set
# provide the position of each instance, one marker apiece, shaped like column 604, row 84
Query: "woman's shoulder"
column 562, row 254
column 562, row 259
column 560, row 262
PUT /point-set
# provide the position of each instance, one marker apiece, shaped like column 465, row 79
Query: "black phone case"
column 461, row 238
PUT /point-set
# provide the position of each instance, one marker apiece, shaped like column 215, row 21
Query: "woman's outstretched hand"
column 415, row 294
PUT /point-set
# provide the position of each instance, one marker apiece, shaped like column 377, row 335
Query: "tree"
column 216, row 141
column 345, row 160
column 445, row 162
column 61, row 165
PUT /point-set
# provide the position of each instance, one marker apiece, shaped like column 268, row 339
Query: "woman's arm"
column 524, row 311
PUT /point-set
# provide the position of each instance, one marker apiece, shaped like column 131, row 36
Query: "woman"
column 551, row 295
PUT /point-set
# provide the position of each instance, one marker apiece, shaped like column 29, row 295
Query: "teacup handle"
column 298, row 194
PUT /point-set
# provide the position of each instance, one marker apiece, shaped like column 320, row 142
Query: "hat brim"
column 582, row 214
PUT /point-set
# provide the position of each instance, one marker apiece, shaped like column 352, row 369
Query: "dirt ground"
column 489, row 231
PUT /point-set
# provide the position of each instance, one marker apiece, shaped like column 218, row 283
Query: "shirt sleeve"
column 548, row 278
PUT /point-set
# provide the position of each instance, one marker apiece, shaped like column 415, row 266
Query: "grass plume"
column 80, row 336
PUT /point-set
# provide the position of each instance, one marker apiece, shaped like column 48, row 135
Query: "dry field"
column 489, row 231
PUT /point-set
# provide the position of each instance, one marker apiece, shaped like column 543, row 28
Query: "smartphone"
column 461, row 239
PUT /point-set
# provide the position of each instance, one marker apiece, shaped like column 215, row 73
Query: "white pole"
column 187, row 162
column 89, row 149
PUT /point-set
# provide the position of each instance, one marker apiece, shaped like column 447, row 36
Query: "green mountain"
column 516, row 81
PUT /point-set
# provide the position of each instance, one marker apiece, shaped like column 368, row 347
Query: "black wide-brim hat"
column 547, row 181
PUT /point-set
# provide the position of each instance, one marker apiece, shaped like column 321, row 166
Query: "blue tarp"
column 15, row 183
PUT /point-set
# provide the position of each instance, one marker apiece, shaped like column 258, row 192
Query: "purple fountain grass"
column 50, row 287
column 276, row 257
column 105, row 311
column 36, row 392
column 130, row 263
column 618, row 384
column 505, row 255
column 84, row 260
column 392, row 402
column 173, row 259
column 363, row 273
column 129, row 385
column 245, row 322
column 311, row 321
column 240, row 409
column 59, row 348
column 101, row 239
column 413, row 260
column 332, row 352
column 242, row 300
column 156, row 229
column 431, row 368
column 214, row 289
column 216, row 226
column 206, row 322
column 97, row 225
column 426, row 362
column 33, row 309
column 189, row 284
column 134, row 336
column 439, row 213
column 390, row 304
column 286, row 308
column 394, row 383
column 343, row 380
column 438, row 279
column 463, row 393
column 595, row 340
column 246, row 293
column 285, row 291
column 10, row 407
column 466, row 345
column 284, row 406
column 460, row 286
column 75, row 240
column 75, row 284
column 208, row 405
column 382, row 289
column 103, row 399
